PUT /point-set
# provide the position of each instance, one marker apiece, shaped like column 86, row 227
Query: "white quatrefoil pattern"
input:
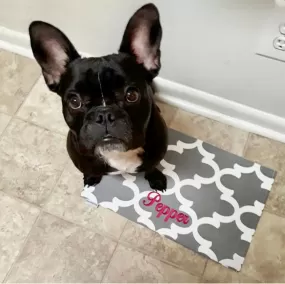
column 212, row 205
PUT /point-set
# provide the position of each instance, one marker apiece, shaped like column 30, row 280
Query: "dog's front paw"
column 157, row 180
column 90, row 183
column 91, row 180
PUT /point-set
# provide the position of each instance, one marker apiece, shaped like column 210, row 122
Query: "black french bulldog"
column 108, row 102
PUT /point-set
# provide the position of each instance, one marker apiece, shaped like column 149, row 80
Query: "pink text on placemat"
column 162, row 209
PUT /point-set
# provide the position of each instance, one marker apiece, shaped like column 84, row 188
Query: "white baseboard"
column 15, row 42
column 220, row 109
column 184, row 97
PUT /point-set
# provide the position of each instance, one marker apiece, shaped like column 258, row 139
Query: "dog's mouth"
column 110, row 139
column 110, row 142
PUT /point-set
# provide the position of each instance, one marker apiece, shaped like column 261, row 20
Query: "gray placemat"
column 212, row 205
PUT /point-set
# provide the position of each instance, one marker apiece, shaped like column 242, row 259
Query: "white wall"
column 207, row 44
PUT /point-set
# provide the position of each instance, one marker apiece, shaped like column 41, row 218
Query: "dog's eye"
column 132, row 95
column 75, row 102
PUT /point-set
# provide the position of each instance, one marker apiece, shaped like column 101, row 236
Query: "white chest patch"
column 127, row 162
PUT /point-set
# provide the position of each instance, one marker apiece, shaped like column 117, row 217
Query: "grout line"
column 267, row 210
column 246, row 145
column 148, row 253
column 144, row 253
column 27, row 95
column 104, row 234
column 4, row 112
column 21, row 200
column 21, row 249
column 53, row 187
column 6, row 127
column 203, row 273
column 164, row 115
column 164, row 261
column 111, row 258
column 173, row 118
column 32, row 123
column 120, row 237
column 41, row 126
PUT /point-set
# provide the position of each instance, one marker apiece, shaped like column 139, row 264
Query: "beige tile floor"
column 49, row 234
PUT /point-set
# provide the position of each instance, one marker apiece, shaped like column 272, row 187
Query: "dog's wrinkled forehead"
column 94, row 76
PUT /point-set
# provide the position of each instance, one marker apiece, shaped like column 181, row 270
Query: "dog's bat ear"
column 142, row 38
column 52, row 50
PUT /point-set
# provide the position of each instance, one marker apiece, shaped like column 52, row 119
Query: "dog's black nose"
column 104, row 117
